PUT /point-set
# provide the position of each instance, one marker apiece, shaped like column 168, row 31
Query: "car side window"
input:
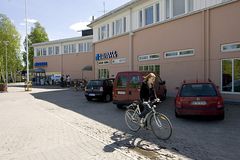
column 135, row 81
column 122, row 81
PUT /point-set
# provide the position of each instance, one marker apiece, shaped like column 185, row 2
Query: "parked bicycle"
column 155, row 121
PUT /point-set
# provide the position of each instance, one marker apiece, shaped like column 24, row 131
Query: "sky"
column 60, row 18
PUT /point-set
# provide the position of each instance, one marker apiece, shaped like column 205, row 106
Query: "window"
column 113, row 28
column 99, row 34
column 231, row 75
column 50, row 50
column 149, row 15
column 122, row 81
column 72, row 48
column 157, row 12
column 107, row 30
column 181, row 53
column 39, row 51
column 148, row 57
column 44, row 51
column 124, row 24
column 118, row 26
column 230, row 47
column 103, row 32
column 150, row 68
column 89, row 47
column 178, row 7
column 103, row 73
column 65, row 49
column 135, row 81
column 167, row 9
column 57, row 49
column 190, row 5
column 80, row 47
column 140, row 19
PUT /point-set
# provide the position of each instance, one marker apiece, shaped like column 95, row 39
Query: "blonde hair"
column 149, row 76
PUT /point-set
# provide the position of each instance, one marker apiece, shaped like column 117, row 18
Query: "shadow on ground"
column 191, row 136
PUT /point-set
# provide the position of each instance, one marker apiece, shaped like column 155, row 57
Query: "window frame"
column 230, row 50
column 146, row 16
column 178, row 53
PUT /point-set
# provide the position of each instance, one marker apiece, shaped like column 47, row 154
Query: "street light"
column 6, row 44
column 26, row 40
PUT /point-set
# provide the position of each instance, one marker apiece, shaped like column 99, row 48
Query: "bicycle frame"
column 152, row 112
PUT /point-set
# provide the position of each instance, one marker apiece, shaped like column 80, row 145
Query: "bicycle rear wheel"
column 132, row 120
column 161, row 126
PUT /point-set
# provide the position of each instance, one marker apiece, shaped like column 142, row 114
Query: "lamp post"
column 6, row 44
column 27, row 40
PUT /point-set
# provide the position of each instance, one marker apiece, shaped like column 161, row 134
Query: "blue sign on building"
column 112, row 54
column 40, row 64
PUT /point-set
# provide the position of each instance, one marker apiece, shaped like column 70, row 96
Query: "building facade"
column 179, row 39
column 72, row 56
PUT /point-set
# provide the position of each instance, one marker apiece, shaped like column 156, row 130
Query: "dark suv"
column 100, row 89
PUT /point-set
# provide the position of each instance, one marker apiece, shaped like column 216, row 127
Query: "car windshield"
column 198, row 90
column 95, row 83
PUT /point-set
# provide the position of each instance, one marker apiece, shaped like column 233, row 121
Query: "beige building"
column 72, row 56
column 179, row 39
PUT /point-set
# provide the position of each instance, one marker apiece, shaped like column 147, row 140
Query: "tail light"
column 178, row 102
column 219, row 103
column 101, row 89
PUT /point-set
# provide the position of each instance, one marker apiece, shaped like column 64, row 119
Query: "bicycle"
column 158, row 122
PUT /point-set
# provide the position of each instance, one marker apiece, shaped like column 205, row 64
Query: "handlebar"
column 154, row 102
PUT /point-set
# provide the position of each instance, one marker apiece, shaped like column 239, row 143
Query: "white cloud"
column 79, row 26
column 31, row 21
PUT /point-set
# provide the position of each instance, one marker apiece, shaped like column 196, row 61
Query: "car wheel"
column 107, row 98
column 120, row 106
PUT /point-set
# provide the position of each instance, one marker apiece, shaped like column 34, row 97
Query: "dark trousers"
column 144, row 110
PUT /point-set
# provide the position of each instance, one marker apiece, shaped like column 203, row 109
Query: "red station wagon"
column 199, row 98
column 126, row 87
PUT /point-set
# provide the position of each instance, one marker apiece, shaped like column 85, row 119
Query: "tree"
column 10, row 40
column 37, row 35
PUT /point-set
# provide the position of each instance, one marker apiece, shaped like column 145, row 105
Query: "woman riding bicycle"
column 147, row 93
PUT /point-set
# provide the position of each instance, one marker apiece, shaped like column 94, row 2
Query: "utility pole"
column 27, row 40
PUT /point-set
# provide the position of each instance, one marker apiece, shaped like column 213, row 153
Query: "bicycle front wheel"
column 161, row 126
column 132, row 120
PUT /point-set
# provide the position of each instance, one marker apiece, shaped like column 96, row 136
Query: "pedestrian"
column 62, row 80
column 68, row 81
column 147, row 93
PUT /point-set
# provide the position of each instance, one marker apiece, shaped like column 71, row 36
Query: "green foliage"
column 37, row 35
column 10, row 44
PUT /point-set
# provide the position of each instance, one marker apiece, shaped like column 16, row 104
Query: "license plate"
column 199, row 102
column 91, row 94
column 121, row 92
